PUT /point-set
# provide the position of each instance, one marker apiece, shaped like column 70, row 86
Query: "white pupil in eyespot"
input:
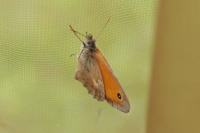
column 119, row 96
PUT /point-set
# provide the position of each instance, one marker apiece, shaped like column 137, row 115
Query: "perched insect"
column 94, row 72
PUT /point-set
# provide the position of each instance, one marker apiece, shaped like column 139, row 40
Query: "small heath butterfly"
column 94, row 72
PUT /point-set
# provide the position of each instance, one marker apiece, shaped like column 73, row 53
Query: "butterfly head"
column 90, row 41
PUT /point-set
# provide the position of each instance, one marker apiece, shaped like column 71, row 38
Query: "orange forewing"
column 114, row 92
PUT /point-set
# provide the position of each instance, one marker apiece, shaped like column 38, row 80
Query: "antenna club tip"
column 71, row 28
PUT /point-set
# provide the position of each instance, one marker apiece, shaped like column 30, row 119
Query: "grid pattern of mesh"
column 38, row 93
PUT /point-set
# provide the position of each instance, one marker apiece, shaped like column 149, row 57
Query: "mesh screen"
column 38, row 92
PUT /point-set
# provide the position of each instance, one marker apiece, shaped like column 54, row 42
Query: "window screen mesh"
column 38, row 92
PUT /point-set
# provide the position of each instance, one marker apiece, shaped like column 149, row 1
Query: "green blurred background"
column 38, row 92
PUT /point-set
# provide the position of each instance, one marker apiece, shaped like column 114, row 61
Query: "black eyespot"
column 119, row 96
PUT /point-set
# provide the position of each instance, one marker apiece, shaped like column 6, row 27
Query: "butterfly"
column 94, row 72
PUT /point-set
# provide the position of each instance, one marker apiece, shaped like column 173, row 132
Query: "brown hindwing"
column 88, row 73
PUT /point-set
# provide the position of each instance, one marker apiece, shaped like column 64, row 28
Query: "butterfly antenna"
column 100, row 32
column 76, row 32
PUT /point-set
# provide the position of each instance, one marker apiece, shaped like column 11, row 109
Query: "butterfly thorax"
column 90, row 42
